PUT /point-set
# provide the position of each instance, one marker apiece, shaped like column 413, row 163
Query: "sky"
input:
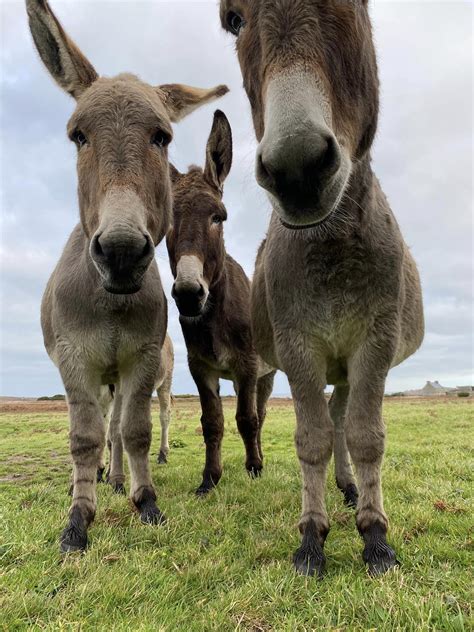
column 422, row 156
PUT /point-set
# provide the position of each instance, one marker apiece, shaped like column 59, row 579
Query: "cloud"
column 422, row 155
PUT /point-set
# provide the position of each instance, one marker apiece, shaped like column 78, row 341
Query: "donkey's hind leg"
column 116, row 474
column 248, row 423
column 264, row 390
column 106, row 399
column 344, row 476
column 164, row 397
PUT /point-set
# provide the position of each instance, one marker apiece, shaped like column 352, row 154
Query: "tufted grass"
column 224, row 562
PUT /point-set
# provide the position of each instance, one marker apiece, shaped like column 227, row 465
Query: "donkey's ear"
column 175, row 175
column 65, row 62
column 181, row 100
column 218, row 151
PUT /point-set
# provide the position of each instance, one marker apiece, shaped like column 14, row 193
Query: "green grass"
column 224, row 563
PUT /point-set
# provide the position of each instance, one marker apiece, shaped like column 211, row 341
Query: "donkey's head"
column 310, row 73
column 121, row 127
column 196, row 239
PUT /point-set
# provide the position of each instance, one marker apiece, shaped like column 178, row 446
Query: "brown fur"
column 338, row 301
column 218, row 336
column 104, row 313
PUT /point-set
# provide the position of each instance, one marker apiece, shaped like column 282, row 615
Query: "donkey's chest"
column 210, row 350
column 109, row 340
column 326, row 291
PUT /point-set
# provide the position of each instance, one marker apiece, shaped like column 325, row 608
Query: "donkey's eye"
column 160, row 139
column 216, row 219
column 235, row 22
column 79, row 138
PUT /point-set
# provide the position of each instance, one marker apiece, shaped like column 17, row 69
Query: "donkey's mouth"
column 122, row 289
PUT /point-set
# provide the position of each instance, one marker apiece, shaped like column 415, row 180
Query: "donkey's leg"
column 264, row 390
column 105, row 403
column 306, row 371
column 116, row 474
column 137, row 388
column 212, row 421
column 247, row 422
column 164, row 397
column 365, row 433
column 87, row 439
column 342, row 465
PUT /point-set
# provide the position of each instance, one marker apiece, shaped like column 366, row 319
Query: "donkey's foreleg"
column 212, row 421
column 137, row 389
column 306, row 371
column 247, row 422
column 342, row 465
column 365, row 434
column 264, row 390
column 87, row 440
column 164, row 398
column 116, row 474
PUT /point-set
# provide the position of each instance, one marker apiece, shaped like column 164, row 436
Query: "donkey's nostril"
column 201, row 291
column 148, row 247
column 96, row 247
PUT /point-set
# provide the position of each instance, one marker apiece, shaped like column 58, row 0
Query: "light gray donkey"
column 336, row 296
column 104, row 313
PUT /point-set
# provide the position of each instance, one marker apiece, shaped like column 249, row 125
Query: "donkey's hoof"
column 74, row 536
column 118, row 488
column 162, row 459
column 351, row 495
column 380, row 560
column 255, row 470
column 310, row 561
column 377, row 554
column 150, row 514
column 100, row 474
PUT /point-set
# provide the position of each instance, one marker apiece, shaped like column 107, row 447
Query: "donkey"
column 336, row 296
column 104, row 313
column 212, row 294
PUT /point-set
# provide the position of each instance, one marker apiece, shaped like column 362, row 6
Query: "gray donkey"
column 336, row 296
column 104, row 313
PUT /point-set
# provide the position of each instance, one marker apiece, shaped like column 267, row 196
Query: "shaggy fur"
column 104, row 313
column 218, row 337
column 338, row 301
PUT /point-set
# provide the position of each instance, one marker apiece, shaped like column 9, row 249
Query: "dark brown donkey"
column 104, row 313
column 336, row 296
column 213, row 298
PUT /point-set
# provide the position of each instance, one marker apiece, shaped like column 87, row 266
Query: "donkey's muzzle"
column 190, row 298
column 122, row 259
column 299, row 174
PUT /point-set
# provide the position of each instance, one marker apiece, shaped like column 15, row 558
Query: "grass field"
column 224, row 562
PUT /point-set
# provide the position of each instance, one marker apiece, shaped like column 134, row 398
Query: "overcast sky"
column 422, row 155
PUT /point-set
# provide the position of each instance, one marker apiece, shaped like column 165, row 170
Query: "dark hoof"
column 118, row 488
column 309, row 559
column 377, row 554
column 74, row 536
column 255, row 471
column 204, row 489
column 100, row 474
column 162, row 460
column 149, row 512
column 351, row 495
